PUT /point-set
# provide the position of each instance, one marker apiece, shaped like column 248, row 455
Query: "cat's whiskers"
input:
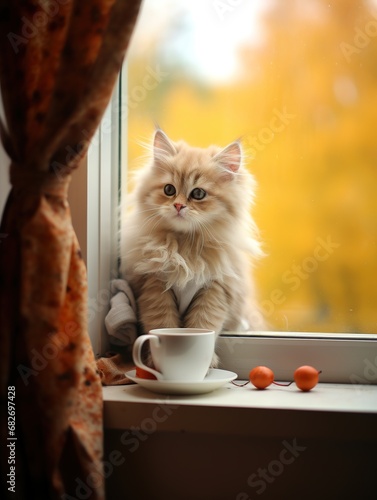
column 145, row 210
column 194, row 241
column 147, row 220
column 155, row 225
column 201, row 234
column 206, row 228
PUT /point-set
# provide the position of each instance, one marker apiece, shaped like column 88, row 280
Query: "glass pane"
column 297, row 81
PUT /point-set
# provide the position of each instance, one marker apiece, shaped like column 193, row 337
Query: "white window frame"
column 343, row 358
column 103, row 181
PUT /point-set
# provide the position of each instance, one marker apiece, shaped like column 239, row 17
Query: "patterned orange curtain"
column 59, row 60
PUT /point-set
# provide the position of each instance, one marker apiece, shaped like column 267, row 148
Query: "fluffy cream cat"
column 188, row 245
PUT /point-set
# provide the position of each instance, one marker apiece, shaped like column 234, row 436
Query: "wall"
column 4, row 177
column 194, row 466
column 78, row 203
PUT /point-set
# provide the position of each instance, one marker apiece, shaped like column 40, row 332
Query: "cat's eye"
column 169, row 190
column 198, row 194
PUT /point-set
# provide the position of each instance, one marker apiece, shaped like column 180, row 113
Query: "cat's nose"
column 179, row 206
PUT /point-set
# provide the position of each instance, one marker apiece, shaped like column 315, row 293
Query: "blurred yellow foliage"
column 305, row 108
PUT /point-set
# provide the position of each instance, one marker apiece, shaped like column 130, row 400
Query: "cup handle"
column 136, row 354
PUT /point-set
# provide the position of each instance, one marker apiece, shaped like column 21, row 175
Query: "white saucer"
column 214, row 379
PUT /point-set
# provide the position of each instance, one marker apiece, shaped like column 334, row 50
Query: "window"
column 296, row 80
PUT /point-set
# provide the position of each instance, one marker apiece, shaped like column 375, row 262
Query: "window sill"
column 329, row 410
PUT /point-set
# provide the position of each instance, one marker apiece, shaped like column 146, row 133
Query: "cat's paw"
column 149, row 361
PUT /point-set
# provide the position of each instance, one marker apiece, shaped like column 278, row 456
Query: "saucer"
column 214, row 379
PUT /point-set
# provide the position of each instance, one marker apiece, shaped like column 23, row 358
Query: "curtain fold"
column 59, row 60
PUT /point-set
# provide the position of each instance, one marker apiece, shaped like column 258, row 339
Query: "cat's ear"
column 162, row 146
column 230, row 159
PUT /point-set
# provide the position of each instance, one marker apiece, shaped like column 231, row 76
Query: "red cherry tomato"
column 261, row 377
column 306, row 377
column 141, row 373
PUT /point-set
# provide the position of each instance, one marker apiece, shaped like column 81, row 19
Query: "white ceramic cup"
column 179, row 354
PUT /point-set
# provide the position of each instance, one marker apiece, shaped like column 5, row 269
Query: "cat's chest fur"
column 185, row 266
column 184, row 295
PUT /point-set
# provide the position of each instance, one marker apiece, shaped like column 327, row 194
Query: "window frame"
column 103, row 184
column 343, row 358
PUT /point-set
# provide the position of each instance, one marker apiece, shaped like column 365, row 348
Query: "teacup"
column 178, row 354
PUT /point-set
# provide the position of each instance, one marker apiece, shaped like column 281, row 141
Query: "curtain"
column 59, row 60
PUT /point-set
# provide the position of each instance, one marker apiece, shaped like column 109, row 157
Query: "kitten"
column 187, row 246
